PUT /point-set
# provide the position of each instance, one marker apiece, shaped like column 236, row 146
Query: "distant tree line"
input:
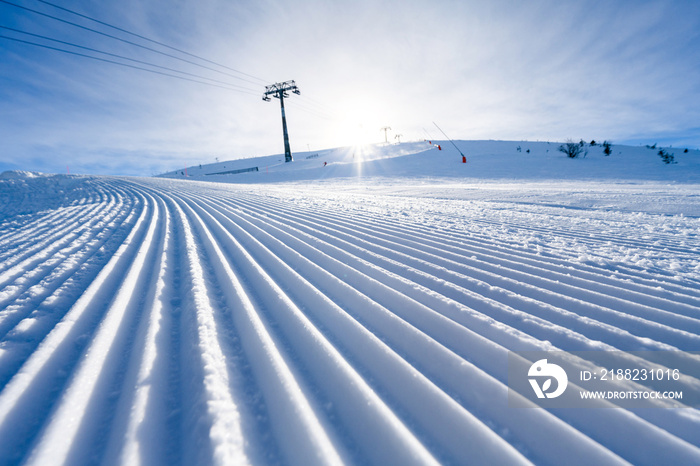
column 666, row 156
column 580, row 149
column 576, row 149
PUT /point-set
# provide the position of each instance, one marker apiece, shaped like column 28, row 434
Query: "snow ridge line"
column 227, row 438
column 548, row 299
column 134, row 440
column 53, row 239
column 57, row 253
column 42, row 286
column 486, row 361
column 56, row 343
column 390, row 429
column 462, row 239
column 60, row 434
column 484, row 248
column 429, row 390
column 35, row 227
column 487, row 250
column 256, row 325
column 42, row 219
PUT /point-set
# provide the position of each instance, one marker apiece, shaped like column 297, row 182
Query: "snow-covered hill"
column 360, row 312
column 486, row 160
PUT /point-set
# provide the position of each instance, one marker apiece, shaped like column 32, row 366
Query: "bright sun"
column 358, row 124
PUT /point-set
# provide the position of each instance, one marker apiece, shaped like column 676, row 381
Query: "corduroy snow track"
column 169, row 322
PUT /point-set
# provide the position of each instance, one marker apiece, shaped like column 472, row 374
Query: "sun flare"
column 359, row 124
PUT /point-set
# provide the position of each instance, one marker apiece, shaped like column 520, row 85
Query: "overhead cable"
column 125, row 64
column 127, row 58
column 148, row 39
column 125, row 41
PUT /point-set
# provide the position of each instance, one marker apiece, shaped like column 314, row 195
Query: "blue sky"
column 626, row 71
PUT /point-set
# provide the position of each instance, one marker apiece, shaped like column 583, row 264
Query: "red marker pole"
column 464, row 159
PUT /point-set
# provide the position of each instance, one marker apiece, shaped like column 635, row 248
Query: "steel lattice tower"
column 279, row 91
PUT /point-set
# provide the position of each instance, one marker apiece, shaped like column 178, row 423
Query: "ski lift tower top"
column 279, row 91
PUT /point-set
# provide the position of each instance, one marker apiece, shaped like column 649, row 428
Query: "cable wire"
column 310, row 105
column 314, row 107
column 149, row 39
column 124, row 40
column 124, row 64
column 127, row 58
column 309, row 110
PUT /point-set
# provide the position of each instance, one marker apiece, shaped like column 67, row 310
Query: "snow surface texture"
column 487, row 160
column 364, row 318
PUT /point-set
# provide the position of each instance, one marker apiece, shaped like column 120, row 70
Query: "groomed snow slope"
column 487, row 160
column 362, row 320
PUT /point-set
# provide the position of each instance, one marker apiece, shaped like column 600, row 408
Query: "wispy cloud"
column 539, row 70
